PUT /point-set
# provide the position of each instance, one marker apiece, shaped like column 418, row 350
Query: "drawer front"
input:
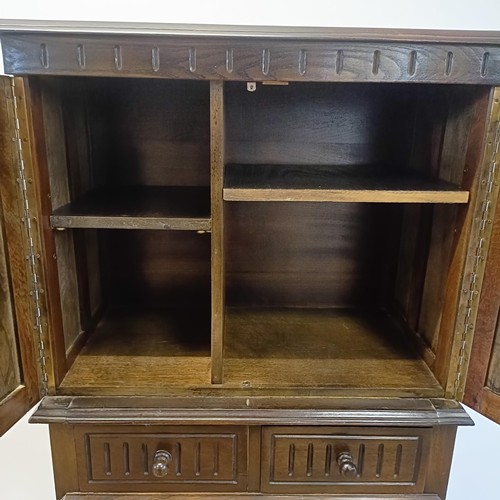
column 212, row 458
column 310, row 459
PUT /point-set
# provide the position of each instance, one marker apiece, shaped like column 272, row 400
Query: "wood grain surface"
column 135, row 350
column 217, row 260
column 321, row 348
column 10, row 376
column 309, row 254
column 265, row 349
column 147, row 133
column 198, row 57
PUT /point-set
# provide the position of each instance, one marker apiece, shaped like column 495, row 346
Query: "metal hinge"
column 483, row 225
column 32, row 254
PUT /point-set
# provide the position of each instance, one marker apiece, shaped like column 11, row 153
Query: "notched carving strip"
column 339, row 62
column 310, row 459
column 118, row 57
column 81, row 56
column 291, row 459
column 107, row 460
column 178, row 459
column 197, row 459
column 266, row 61
column 380, row 460
column 44, row 56
column 328, row 460
column 145, row 459
column 449, row 64
column 302, row 62
column 397, row 465
column 216, row 459
column 229, row 60
column 126, row 459
column 192, row 59
column 484, row 64
column 361, row 459
column 376, row 62
column 155, row 59
column 412, row 63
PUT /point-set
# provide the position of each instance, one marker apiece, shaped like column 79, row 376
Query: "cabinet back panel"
column 162, row 268
column 318, row 124
column 149, row 132
column 309, row 254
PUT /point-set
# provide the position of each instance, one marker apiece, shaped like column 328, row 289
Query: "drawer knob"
column 347, row 467
column 160, row 463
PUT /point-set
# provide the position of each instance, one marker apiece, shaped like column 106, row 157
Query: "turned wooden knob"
column 160, row 463
column 347, row 467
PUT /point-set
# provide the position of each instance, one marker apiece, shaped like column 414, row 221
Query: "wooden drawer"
column 305, row 459
column 200, row 458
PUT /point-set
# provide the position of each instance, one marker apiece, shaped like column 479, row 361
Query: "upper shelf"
column 153, row 207
column 335, row 184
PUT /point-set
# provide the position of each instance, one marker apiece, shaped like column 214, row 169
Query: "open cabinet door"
column 482, row 385
column 19, row 352
column 482, row 390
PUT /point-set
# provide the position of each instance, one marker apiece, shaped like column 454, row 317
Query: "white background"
column 25, row 463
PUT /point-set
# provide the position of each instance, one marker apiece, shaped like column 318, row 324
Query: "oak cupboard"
column 248, row 261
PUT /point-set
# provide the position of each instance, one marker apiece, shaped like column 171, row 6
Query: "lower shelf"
column 302, row 352
column 323, row 348
column 135, row 351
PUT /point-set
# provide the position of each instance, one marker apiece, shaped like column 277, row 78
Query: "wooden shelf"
column 177, row 208
column 351, row 349
column 319, row 183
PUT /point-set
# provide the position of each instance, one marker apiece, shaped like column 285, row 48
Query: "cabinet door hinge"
column 32, row 255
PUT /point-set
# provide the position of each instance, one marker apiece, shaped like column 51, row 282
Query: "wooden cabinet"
column 249, row 262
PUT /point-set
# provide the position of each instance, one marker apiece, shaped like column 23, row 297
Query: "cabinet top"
column 240, row 31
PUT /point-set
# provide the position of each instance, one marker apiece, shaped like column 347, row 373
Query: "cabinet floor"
column 267, row 350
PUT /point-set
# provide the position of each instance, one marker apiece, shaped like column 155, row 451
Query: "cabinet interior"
column 343, row 207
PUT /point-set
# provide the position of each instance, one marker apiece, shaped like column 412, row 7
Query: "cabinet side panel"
column 465, row 108
column 62, row 443
column 79, row 168
column 439, row 462
column 55, row 144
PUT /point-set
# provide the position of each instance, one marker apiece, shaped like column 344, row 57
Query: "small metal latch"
column 251, row 86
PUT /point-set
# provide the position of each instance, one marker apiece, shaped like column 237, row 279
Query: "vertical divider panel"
column 217, row 214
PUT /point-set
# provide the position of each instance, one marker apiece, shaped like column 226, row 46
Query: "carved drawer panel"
column 335, row 459
column 162, row 459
